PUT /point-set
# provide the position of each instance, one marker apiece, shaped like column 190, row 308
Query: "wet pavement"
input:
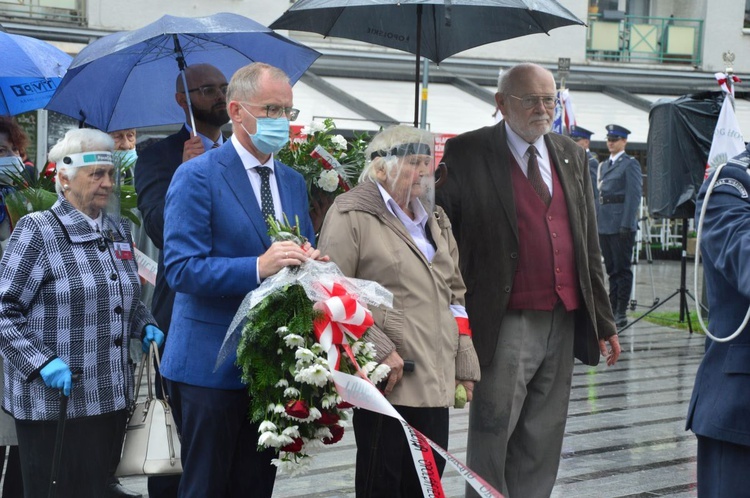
column 625, row 433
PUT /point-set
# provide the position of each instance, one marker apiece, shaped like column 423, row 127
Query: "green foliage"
column 350, row 155
column 259, row 353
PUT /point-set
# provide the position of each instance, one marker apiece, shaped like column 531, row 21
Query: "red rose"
column 294, row 447
column 297, row 408
column 337, row 432
column 328, row 418
column 344, row 405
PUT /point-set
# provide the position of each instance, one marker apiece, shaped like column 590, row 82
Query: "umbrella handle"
column 182, row 65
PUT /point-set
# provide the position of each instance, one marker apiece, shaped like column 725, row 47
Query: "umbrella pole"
column 181, row 64
column 416, row 78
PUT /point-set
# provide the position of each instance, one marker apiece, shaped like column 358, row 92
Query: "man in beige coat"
column 522, row 209
column 386, row 230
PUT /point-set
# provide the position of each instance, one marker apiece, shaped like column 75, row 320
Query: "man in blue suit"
column 719, row 412
column 216, row 250
column 153, row 173
column 620, row 183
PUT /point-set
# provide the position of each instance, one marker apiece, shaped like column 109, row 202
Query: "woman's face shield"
column 410, row 174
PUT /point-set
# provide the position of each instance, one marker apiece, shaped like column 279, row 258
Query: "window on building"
column 747, row 14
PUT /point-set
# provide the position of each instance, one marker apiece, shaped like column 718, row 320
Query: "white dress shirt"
column 519, row 148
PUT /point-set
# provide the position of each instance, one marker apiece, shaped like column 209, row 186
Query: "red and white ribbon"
column 330, row 162
column 342, row 315
column 723, row 80
column 363, row 394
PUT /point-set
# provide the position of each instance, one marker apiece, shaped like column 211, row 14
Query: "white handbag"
column 152, row 446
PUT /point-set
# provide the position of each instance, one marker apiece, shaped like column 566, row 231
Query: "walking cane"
column 57, row 455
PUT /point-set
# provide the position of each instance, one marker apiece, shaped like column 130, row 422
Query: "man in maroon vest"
column 521, row 205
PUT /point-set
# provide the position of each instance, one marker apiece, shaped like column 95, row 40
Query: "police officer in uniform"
column 582, row 137
column 719, row 412
column 620, row 185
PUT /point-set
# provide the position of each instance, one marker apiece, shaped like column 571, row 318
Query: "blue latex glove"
column 152, row 333
column 57, row 375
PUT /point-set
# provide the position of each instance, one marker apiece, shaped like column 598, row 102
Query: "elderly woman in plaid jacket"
column 69, row 307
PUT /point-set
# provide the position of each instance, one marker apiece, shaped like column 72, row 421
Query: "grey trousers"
column 517, row 417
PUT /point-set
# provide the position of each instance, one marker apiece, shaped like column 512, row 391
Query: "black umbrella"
column 435, row 29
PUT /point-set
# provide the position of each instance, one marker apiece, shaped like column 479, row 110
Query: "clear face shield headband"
column 97, row 184
column 409, row 173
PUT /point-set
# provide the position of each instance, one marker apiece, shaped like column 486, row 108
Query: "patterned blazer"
column 65, row 293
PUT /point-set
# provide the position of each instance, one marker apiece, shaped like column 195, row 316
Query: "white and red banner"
column 727, row 141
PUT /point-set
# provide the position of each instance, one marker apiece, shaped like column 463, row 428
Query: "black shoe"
column 117, row 490
column 621, row 321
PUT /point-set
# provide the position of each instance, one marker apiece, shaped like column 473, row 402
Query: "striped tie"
column 216, row 145
column 535, row 177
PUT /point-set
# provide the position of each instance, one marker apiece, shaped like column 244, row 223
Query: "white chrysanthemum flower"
column 323, row 432
column 284, row 439
column 313, row 128
column 339, row 142
column 267, row 426
column 321, row 361
column 369, row 367
column 304, row 355
column 291, row 431
column 294, row 341
column 328, row 400
column 294, row 467
column 314, row 415
column 271, row 408
column 357, row 347
column 369, row 349
column 282, row 383
column 316, row 375
column 380, row 373
column 269, row 440
column 328, row 180
column 279, row 409
column 282, row 331
column 291, row 392
column 317, row 349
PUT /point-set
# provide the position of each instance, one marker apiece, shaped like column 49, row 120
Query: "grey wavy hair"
column 385, row 141
column 74, row 142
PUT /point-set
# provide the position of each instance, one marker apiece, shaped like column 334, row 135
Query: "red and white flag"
column 727, row 141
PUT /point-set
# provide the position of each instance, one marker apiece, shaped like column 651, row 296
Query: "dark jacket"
column 478, row 198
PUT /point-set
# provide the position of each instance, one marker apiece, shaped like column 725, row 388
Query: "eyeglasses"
column 276, row 111
column 614, row 139
column 210, row 91
column 531, row 101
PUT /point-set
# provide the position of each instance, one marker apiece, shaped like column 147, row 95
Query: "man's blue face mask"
column 271, row 134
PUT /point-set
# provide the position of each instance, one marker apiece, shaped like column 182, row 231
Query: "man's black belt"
column 611, row 199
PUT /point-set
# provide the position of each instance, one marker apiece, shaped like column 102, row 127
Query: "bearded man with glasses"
column 620, row 184
column 522, row 210
column 216, row 250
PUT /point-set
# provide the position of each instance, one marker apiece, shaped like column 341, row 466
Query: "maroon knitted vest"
column 546, row 270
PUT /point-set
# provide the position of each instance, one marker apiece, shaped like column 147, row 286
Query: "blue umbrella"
column 29, row 74
column 127, row 79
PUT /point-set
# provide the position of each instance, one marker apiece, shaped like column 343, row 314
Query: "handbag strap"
column 154, row 350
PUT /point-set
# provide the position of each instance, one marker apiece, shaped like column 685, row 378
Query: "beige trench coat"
column 366, row 241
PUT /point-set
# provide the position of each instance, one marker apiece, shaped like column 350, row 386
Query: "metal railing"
column 615, row 37
column 65, row 12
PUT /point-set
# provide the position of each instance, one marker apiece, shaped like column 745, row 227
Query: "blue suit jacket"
column 720, row 406
column 621, row 179
column 213, row 234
